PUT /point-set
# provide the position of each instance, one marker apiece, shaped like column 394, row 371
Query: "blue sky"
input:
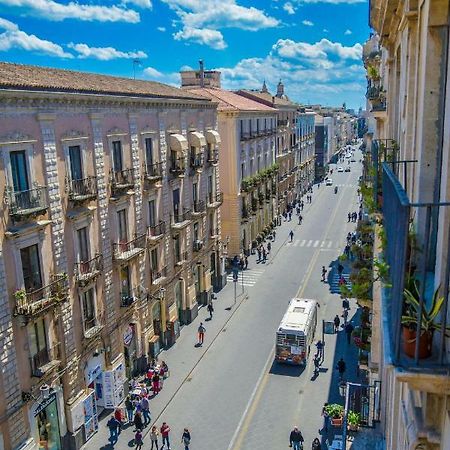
column 314, row 46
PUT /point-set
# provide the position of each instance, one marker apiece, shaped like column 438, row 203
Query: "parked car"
column 329, row 182
column 340, row 169
column 347, row 169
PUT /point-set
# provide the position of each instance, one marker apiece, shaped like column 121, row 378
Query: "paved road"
column 229, row 393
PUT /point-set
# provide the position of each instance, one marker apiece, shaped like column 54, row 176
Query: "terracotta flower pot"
column 337, row 421
column 409, row 343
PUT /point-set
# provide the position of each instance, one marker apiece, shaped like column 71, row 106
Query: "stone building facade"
column 110, row 240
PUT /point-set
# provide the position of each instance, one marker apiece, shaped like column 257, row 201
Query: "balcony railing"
column 180, row 258
column 156, row 231
column 282, row 123
column 214, row 232
column 245, row 213
column 127, row 300
column 215, row 199
column 177, row 166
column 44, row 360
column 415, row 261
column 124, row 251
column 198, row 207
column 82, row 190
column 34, row 302
column 159, row 275
column 197, row 160
column 122, row 179
column 181, row 217
column 28, row 203
column 153, row 172
column 93, row 327
column 197, row 245
column 87, row 270
column 373, row 92
column 245, row 135
column 213, row 156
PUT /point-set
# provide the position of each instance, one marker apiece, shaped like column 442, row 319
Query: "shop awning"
column 197, row 139
column 178, row 142
column 213, row 137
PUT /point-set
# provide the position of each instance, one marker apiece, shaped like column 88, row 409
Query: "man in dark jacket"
column 296, row 439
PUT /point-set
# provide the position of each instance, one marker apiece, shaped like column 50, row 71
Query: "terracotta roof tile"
column 230, row 101
column 18, row 76
column 266, row 97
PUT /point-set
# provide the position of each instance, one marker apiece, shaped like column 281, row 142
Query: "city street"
column 230, row 393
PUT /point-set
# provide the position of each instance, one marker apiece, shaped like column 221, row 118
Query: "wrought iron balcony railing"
column 38, row 300
column 213, row 156
column 123, row 251
column 83, row 189
column 122, row 179
column 177, row 166
column 153, row 172
column 181, row 217
column 87, row 270
column 198, row 207
column 215, row 199
column 197, row 160
column 158, row 275
column 156, row 231
column 31, row 202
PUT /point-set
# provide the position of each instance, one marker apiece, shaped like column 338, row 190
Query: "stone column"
column 109, row 306
column 56, row 215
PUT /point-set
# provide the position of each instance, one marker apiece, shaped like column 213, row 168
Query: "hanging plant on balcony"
column 410, row 319
column 336, row 414
column 353, row 420
column 246, row 184
column 372, row 73
column 20, row 295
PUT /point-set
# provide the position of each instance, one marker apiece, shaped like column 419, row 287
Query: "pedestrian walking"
column 139, row 425
column 340, row 269
column 326, row 417
column 241, row 263
column 296, row 439
column 316, row 365
column 360, row 215
column 345, row 304
column 291, row 235
column 210, row 308
column 337, row 322
column 155, row 383
column 145, row 407
column 316, row 445
column 347, row 251
column 345, row 316
column 259, row 253
column 324, row 274
column 201, row 333
column 269, row 247
column 319, row 346
column 290, row 216
column 349, row 216
column 129, row 408
column 341, row 366
column 348, row 331
column 165, row 430
column 119, row 418
column 274, row 233
column 113, row 425
column 138, row 439
column 302, row 204
column 264, row 253
column 186, row 439
column 154, row 433
column 245, row 262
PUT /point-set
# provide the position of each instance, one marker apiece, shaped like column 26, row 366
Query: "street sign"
column 328, row 327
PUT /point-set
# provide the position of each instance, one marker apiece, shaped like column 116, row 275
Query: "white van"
column 296, row 331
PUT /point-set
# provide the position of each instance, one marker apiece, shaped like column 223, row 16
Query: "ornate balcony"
column 158, row 276
column 153, row 172
column 127, row 300
column 45, row 360
column 32, row 202
column 198, row 208
column 124, row 251
column 86, row 271
column 215, row 199
column 82, row 190
column 245, row 214
column 245, row 135
column 181, row 258
column 177, row 166
column 213, row 157
column 197, row 161
column 93, row 327
column 122, row 180
column 181, row 220
column 156, row 232
column 214, row 232
column 197, row 245
column 254, row 205
column 35, row 302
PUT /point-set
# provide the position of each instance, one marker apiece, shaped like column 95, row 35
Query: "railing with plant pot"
column 336, row 414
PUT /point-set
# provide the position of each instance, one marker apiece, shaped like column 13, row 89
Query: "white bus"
column 296, row 331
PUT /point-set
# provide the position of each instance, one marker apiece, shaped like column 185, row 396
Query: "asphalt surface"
column 230, row 393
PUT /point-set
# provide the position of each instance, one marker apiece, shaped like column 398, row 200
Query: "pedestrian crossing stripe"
column 248, row 277
column 315, row 243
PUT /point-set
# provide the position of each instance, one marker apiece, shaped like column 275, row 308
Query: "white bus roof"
column 297, row 315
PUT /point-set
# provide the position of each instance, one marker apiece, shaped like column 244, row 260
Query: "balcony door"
column 195, row 193
column 19, row 171
column 151, row 213
column 177, row 248
column 88, row 304
column 76, row 167
column 117, row 156
column 38, row 344
column 123, row 225
column 176, row 203
column 83, row 245
column 125, row 282
column 31, row 268
column 149, row 157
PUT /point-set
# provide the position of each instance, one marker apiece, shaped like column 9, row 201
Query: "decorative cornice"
column 115, row 131
column 73, row 135
column 16, row 137
column 148, row 130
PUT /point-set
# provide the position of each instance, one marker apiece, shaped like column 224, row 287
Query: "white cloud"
column 145, row 4
column 172, row 78
column 289, row 8
column 185, row 68
column 348, row 32
column 335, row 2
column 104, row 53
column 162, row 29
column 307, row 23
column 203, row 36
column 52, row 10
column 325, row 30
column 14, row 38
column 151, row 72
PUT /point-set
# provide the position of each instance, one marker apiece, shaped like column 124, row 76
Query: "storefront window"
column 48, row 427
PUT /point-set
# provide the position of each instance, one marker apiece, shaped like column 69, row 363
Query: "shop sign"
column 44, row 403
column 94, row 373
column 128, row 335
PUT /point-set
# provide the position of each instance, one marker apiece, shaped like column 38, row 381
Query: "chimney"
column 202, row 74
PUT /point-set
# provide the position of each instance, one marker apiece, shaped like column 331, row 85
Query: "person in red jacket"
column 165, row 430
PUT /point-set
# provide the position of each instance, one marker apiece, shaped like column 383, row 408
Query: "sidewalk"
column 183, row 357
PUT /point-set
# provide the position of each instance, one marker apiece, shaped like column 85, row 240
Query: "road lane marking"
column 329, row 244
column 303, row 243
column 316, row 243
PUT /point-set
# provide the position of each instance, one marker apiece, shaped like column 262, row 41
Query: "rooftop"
column 266, row 97
column 230, row 101
column 35, row 78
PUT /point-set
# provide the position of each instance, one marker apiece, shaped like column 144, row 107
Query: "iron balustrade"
column 83, row 189
column 85, row 269
column 158, row 274
column 130, row 248
column 181, row 257
column 122, row 179
column 214, row 231
column 215, row 199
column 38, row 300
column 197, row 160
column 199, row 207
column 180, row 217
column 31, row 201
column 154, row 171
column 156, row 230
column 213, row 156
column 43, row 357
column 398, row 215
column 197, row 245
column 245, row 135
column 177, row 165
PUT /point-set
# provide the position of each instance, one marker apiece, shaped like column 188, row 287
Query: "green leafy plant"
column 20, row 295
column 353, row 418
column 334, row 410
column 246, row 184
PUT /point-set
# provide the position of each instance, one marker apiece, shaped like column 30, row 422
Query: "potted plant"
column 20, row 297
column 336, row 414
column 353, row 420
column 410, row 317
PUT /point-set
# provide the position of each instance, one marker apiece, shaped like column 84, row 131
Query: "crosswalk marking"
column 316, row 243
column 248, row 277
column 309, row 243
column 303, row 243
column 322, row 244
column 334, row 282
column 329, row 244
